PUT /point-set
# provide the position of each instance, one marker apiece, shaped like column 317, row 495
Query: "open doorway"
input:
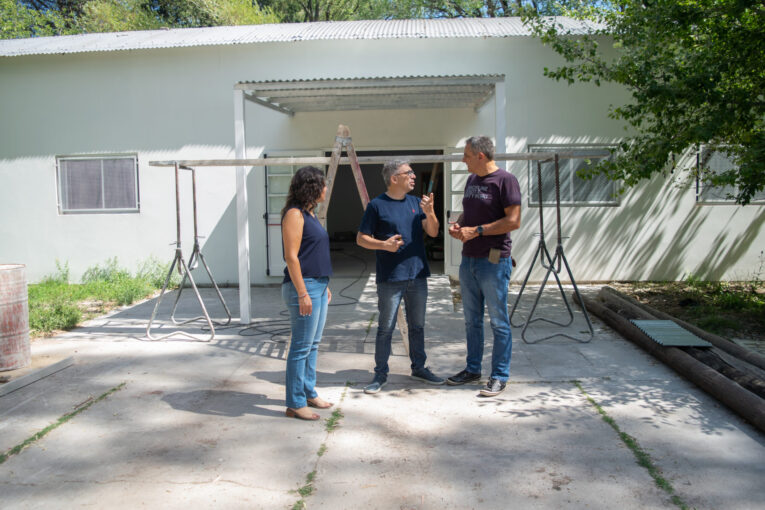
column 345, row 211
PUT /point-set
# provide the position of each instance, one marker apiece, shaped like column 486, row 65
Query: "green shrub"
column 109, row 272
column 716, row 324
column 46, row 317
column 53, row 303
column 155, row 272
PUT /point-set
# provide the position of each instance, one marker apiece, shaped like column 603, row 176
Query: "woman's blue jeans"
column 389, row 295
column 306, row 335
column 482, row 282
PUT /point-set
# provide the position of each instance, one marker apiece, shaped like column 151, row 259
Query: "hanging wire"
column 281, row 327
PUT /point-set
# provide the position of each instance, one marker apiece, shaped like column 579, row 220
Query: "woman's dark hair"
column 305, row 189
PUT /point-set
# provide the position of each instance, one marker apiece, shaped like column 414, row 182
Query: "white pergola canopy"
column 294, row 96
column 381, row 93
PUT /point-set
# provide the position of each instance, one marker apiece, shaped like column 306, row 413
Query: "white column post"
column 500, row 116
column 242, row 216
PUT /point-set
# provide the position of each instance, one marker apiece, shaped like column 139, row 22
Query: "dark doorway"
column 345, row 211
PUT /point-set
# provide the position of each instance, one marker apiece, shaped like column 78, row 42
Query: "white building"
column 82, row 116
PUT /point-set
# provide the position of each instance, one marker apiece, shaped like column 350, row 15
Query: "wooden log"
column 712, row 359
column 726, row 345
column 623, row 307
column 741, row 401
column 748, row 376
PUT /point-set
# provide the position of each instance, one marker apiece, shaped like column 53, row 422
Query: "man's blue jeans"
column 482, row 283
column 306, row 335
column 389, row 296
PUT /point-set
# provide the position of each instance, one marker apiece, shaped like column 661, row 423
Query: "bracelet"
column 304, row 295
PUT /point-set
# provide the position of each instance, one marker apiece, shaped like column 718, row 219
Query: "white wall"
column 178, row 104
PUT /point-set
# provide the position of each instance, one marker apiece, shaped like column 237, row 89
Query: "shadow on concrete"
column 223, row 403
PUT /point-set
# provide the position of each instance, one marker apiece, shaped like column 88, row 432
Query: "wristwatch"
column 479, row 229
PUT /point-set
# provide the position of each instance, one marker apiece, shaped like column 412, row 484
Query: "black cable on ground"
column 363, row 271
column 281, row 327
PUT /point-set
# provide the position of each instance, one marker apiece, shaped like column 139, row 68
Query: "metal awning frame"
column 289, row 97
column 248, row 92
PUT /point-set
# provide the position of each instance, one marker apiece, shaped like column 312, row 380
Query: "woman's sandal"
column 319, row 403
column 300, row 414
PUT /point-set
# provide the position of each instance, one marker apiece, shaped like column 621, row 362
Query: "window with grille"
column 713, row 161
column 574, row 190
column 103, row 184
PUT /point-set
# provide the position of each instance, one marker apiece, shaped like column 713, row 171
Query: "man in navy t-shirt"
column 491, row 210
column 393, row 225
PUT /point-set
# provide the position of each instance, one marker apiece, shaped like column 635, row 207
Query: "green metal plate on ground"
column 669, row 334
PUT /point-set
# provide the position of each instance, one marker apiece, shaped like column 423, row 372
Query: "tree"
column 18, row 20
column 116, row 16
column 298, row 11
column 206, row 13
column 696, row 72
column 28, row 18
column 473, row 8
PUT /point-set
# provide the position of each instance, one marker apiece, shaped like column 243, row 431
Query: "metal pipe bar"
column 557, row 198
column 560, row 257
column 376, row 160
column 359, row 83
column 195, row 257
column 280, row 109
column 194, row 204
column 177, row 211
column 185, row 269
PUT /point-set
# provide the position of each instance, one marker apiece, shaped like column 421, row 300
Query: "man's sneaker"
column 376, row 385
column 424, row 374
column 493, row 387
column 462, row 378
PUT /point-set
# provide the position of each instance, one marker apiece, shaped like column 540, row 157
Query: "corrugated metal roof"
column 381, row 93
column 286, row 32
column 669, row 333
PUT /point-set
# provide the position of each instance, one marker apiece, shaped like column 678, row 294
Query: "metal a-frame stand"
column 553, row 266
column 343, row 140
column 185, row 270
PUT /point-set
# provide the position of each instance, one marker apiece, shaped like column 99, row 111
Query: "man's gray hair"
column 481, row 144
column 390, row 168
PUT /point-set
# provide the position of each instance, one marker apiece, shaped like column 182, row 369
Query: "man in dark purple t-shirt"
column 491, row 210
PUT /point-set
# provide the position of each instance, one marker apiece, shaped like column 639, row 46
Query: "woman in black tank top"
column 305, row 289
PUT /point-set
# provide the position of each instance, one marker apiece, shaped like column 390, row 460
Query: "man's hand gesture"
column 393, row 243
column 454, row 231
column 427, row 203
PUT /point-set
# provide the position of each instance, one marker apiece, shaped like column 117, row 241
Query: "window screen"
column 574, row 190
column 92, row 184
column 717, row 161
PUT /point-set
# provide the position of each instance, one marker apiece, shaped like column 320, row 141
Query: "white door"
column 455, row 177
column 277, row 185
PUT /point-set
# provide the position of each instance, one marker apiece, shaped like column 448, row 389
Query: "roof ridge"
column 439, row 28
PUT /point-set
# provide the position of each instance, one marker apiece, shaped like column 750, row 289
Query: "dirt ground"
column 737, row 311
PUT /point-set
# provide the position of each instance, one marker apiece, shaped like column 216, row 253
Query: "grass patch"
column 333, row 421
column 641, row 456
column 307, row 489
column 733, row 309
column 56, row 304
column 331, row 424
column 19, row 447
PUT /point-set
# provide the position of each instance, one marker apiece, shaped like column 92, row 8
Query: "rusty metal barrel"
column 14, row 318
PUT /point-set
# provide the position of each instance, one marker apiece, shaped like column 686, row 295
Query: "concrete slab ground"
column 201, row 425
